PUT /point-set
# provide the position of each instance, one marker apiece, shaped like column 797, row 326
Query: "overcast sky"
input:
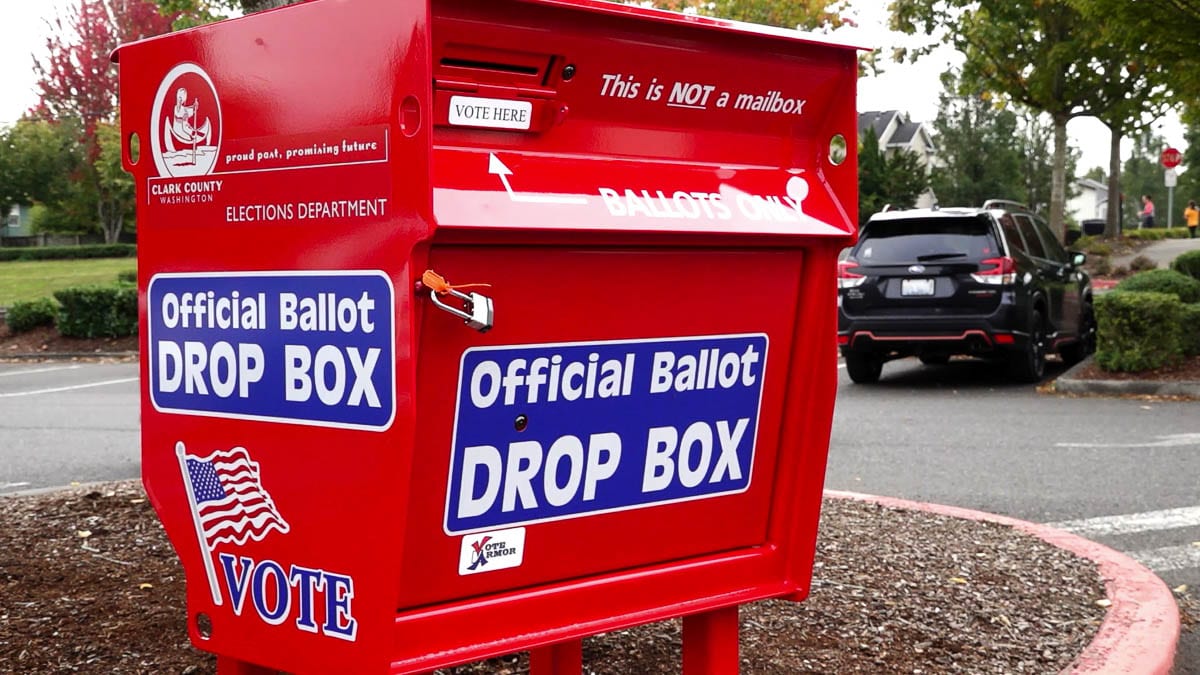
column 912, row 88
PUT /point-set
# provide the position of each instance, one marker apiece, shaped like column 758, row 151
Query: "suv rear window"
column 894, row 242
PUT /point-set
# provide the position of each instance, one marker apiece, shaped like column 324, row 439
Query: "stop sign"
column 1171, row 158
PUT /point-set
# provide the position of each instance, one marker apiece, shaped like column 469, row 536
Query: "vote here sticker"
column 555, row 431
column 313, row 348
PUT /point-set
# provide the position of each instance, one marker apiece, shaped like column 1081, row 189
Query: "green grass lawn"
column 22, row 280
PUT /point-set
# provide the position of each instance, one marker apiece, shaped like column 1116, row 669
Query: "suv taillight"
column 1002, row 271
column 846, row 278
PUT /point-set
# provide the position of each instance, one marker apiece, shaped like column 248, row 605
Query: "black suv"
column 991, row 282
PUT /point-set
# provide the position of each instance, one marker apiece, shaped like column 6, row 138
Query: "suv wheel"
column 864, row 368
column 1079, row 350
column 1029, row 364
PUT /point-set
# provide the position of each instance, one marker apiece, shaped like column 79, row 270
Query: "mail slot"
column 484, row 326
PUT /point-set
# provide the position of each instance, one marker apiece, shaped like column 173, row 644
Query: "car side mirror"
column 1077, row 259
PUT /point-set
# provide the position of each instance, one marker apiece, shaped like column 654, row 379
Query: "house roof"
column 876, row 120
column 905, row 133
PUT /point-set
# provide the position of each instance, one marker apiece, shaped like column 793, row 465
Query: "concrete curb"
column 64, row 356
column 1141, row 630
column 1067, row 383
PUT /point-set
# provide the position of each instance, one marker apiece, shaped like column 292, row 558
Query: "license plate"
column 916, row 287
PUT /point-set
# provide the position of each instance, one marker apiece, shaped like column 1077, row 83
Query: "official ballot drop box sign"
column 626, row 420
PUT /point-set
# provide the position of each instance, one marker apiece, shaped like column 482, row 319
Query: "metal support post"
column 563, row 658
column 710, row 642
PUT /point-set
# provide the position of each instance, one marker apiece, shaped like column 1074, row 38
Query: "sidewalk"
column 1161, row 252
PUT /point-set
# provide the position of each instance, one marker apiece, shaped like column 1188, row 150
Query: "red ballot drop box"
column 485, row 326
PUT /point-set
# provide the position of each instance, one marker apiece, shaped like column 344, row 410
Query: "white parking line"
column 71, row 388
column 1167, row 519
column 1171, row 441
column 39, row 370
column 1169, row 558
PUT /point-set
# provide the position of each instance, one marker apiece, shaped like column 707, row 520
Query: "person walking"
column 1147, row 211
column 1191, row 216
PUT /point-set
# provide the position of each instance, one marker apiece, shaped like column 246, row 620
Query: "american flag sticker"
column 228, row 502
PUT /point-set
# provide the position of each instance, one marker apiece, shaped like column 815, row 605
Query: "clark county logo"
column 185, row 123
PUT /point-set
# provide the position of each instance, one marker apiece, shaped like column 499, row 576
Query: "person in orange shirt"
column 1191, row 215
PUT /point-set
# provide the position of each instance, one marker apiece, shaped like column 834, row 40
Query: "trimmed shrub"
column 98, row 311
column 1093, row 246
column 25, row 316
column 1184, row 287
column 1138, row 331
column 1101, row 266
column 1188, row 263
column 1189, row 328
column 68, row 252
column 1141, row 263
column 127, row 276
column 1152, row 234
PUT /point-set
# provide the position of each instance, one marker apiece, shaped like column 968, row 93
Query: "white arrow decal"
column 497, row 167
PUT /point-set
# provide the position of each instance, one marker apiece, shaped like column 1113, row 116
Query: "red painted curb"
column 1141, row 630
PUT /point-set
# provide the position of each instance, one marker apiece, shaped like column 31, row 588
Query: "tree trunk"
column 1112, row 228
column 108, row 210
column 1058, row 179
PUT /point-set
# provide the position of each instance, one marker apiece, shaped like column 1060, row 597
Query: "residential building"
column 17, row 223
column 1090, row 201
column 898, row 133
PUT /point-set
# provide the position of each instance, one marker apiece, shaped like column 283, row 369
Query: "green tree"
column 116, row 198
column 1037, row 54
column 894, row 179
column 1189, row 180
column 77, row 85
column 979, row 158
column 1035, row 138
column 37, row 160
column 1160, row 35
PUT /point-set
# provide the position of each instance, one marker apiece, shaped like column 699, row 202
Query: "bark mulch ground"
column 89, row 584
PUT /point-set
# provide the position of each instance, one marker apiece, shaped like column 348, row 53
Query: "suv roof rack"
column 1005, row 204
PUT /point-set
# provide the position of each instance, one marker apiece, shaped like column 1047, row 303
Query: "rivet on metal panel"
column 568, row 72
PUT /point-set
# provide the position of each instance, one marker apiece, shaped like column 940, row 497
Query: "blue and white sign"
column 313, row 348
column 554, row 431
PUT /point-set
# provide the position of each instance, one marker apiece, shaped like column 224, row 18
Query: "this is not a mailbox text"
column 308, row 347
